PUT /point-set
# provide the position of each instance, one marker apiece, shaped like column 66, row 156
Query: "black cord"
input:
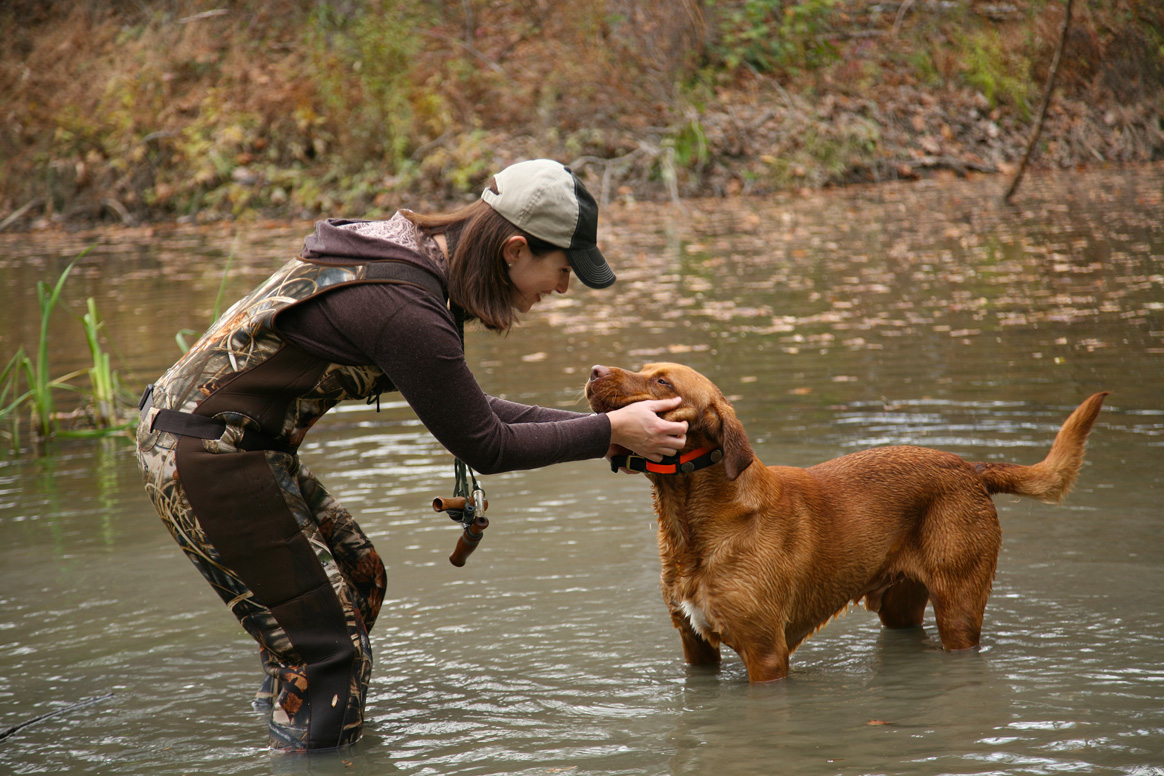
column 4, row 734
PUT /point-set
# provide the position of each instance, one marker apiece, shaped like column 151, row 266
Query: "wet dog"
column 759, row 557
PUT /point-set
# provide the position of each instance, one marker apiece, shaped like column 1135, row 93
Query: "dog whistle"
column 472, row 517
column 453, row 504
column 468, row 540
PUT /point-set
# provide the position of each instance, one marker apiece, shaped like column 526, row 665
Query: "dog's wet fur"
column 760, row 557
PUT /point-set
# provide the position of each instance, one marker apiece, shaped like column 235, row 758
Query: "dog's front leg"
column 697, row 650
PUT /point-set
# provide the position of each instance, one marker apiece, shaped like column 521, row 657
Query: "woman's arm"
column 514, row 412
column 412, row 338
column 635, row 427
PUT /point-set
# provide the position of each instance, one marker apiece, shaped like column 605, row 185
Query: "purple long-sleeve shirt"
column 406, row 332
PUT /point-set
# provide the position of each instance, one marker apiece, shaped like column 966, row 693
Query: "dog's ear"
column 737, row 451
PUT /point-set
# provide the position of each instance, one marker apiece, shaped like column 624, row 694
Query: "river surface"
column 920, row 314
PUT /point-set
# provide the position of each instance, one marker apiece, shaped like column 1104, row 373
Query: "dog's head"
column 711, row 421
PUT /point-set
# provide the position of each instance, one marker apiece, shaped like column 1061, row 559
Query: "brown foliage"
column 182, row 108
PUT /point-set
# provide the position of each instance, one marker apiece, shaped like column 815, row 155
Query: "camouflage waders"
column 217, row 445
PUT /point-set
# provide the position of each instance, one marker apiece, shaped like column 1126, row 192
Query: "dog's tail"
column 1049, row 480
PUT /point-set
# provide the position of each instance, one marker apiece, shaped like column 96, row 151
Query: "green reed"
column 103, row 381
column 39, row 387
column 37, row 372
column 181, row 336
column 10, row 386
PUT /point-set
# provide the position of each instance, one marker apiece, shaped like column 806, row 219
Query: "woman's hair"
column 478, row 278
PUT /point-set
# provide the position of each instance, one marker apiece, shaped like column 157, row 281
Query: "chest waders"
column 217, row 448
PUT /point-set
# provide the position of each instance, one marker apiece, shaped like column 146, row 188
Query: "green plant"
column 39, row 386
column 852, row 145
column 361, row 64
column 805, row 33
column 104, row 382
column 10, row 385
column 820, row 158
column 1000, row 75
column 771, row 35
column 689, row 142
column 37, row 372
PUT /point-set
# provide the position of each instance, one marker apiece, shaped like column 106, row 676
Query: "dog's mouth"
column 610, row 388
column 605, row 397
column 606, row 391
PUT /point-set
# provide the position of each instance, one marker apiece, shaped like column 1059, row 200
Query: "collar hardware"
column 686, row 463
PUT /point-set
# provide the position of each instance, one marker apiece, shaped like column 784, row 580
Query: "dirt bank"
column 182, row 109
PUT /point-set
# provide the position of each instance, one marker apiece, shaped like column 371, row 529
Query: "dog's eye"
column 662, row 382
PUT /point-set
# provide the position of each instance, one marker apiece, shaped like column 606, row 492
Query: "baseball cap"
column 546, row 199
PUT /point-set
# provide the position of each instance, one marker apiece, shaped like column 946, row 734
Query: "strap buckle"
column 631, row 462
column 147, row 399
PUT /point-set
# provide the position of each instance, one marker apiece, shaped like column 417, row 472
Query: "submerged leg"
column 904, row 605
column 269, row 688
column 696, row 649
column 276, row 571
column 959, row 608
column 766, row 659
column 960, row 582
column 355, row 557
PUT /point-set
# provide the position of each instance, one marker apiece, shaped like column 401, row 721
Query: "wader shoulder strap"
column 407, row 272
column 394, row 263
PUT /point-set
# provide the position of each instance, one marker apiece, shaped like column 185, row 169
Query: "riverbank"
column 194, row 111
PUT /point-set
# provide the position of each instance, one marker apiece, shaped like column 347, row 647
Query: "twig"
column 901, row 11
column 960, row 166
column 16, row 214
column 608, row 168
column 1038, row 128
column 457, row 41
column 9, row 731
column 423, row 150
column 120, row 209
column 204, row 15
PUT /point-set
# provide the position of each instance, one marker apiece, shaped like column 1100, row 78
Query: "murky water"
column 922, row 314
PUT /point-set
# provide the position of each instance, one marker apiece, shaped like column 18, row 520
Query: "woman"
column 367, row 307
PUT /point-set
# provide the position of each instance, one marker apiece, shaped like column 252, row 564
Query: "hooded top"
column 408, row 334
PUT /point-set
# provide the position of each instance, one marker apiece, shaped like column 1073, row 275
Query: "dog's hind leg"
column 962, row 547
column 959, row 628
column 766, row 660
column 697, row 650
column 903, row 605
column 959, row 608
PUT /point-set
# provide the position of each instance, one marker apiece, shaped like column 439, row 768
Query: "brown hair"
column 478, row 281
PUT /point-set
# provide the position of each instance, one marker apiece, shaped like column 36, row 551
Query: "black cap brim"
column 590, row 267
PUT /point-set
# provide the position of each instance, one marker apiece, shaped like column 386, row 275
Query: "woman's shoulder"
column 400, row 230
column 397, row 229
column 364, row 240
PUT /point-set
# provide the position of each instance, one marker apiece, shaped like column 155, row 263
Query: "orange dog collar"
column 672, row 464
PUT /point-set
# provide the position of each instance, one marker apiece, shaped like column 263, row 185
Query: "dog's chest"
column 696, row 616
column 689, row 571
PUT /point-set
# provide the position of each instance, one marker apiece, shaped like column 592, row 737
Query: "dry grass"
column 171, row 108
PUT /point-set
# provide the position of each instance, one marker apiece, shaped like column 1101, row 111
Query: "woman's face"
column 534, row 276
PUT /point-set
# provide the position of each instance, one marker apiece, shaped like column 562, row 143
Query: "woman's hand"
column 638, row 428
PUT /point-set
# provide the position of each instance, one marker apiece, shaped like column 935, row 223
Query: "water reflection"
column 922, row 314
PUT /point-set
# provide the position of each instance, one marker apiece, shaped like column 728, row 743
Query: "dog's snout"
column 597, row 372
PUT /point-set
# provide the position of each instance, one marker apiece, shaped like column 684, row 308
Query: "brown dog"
column 759, row 557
